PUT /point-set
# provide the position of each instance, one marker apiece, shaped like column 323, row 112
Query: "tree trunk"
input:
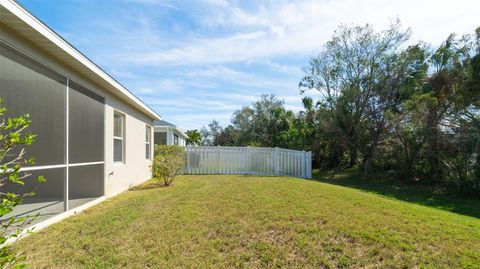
column 352, row 158
column 476, row 180
column 410, row 173
column 367, row 165
column 368, row 158
column 432, row 138
column 435, row 160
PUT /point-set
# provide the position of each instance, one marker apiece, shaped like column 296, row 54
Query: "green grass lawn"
column 265, row 222
column 411, row 192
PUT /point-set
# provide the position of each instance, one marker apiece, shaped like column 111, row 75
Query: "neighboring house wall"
column 181, row 140
column 160, row 138
column 117, row 177
column 169, row 136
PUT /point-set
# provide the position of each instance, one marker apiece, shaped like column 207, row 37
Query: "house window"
column 118, row 137
column 148, row 141
column 160, row 138
column 175, row 140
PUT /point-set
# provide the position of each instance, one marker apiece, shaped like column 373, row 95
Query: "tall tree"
column 194, row 137
column 210, row 133
column 263, row 122
column 356, row 73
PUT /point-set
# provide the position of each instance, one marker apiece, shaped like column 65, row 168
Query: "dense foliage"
column 194, row 137
column 13, row 141
column 168, row 162
column 410, row 110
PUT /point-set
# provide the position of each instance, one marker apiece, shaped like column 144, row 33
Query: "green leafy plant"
column 13, row 141
column 194, row 137
column 168, row 162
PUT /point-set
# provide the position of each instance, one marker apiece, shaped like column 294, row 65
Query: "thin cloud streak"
column 301, row 28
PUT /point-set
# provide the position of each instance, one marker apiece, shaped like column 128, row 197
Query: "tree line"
column 387, row 105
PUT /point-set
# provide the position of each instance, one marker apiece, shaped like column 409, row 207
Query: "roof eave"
column 71, row 56
column 175, row 128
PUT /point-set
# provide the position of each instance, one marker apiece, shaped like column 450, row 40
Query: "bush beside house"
column 168, row 162
column 13, row 141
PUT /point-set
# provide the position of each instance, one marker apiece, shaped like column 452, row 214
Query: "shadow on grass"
column 418, row 194
column 151, row 184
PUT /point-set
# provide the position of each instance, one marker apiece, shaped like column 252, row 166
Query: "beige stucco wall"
column 136, row 169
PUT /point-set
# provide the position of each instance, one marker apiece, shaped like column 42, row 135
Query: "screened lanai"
column 68, row 120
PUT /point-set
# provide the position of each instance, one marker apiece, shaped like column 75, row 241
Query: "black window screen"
column 86, row 181
column 86, row 125
column 28, row 87
column 160, row 138
column 53, row 187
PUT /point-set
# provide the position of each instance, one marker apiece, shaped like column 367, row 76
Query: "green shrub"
column 168, row 162
column 13, row 141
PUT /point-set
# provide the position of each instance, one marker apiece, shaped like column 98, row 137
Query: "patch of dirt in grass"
column 152, row 184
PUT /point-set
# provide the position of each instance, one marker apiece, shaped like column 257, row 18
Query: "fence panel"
column 248, row 160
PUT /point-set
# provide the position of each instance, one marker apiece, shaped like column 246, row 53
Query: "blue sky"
column 194, row 61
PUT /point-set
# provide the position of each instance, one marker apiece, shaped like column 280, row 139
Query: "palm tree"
column 194, row 137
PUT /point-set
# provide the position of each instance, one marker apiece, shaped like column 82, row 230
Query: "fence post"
column 304, row 164
column 309, row 165
column 276, row 162
column 187, row 160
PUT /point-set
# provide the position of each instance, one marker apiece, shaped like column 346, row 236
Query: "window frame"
column 148, row 142
column 176, row 139
column 120, row 138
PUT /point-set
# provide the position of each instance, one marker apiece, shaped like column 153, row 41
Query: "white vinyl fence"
column 248, row 160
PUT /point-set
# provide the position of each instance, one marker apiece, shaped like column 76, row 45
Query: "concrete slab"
column 45, row 207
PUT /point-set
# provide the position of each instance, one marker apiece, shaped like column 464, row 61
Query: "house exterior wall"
column 117, row 177
column 169, row 136
column 136, row 168
column 162, row 130
column 160, row 138
column 181, row 140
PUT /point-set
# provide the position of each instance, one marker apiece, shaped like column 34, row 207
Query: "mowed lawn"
column 256, row 222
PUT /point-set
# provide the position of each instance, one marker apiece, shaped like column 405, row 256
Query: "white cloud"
column 221, row 55
column 239, row 98
column 162, row 87
column 146, row 91
column 124, row 74
column 283, row 68
column 168, row 85
column 221, row 3
column 187, row 121
column 232, row 76
column 301, row 27
column 162, row 3
column 192, row 103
